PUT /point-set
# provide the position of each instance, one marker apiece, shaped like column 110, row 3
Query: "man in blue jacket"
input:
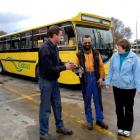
column 50, row 67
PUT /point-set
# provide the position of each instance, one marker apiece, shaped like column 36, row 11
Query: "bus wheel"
column 37, row 72
column 1, row 68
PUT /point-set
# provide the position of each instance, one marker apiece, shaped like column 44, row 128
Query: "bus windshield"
column 102, row 40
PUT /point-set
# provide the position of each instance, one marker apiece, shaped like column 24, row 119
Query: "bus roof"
column 85, row 17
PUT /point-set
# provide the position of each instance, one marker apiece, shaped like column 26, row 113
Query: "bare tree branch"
column 119, row 30
column 2, row 33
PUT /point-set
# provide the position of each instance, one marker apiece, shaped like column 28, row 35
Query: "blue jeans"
column 91, row 89
column 50, row 96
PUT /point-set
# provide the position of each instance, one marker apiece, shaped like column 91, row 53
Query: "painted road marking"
column 21, row 94
column 74, row 118
column 82, row 122
column 17, row 99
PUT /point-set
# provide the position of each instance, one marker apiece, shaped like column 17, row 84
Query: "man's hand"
column 100, row 82
column 69, row 66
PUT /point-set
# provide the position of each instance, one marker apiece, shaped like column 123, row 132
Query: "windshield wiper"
column 94, row 38
column 100, row 39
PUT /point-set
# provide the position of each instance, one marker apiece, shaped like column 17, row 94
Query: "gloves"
column 78, row 70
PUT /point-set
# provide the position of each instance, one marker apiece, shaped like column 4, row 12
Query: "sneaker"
column 46, row 137
column 102, row 124
column 90, row 126
column 126, row 133
column 64, row 131
column 120, row 132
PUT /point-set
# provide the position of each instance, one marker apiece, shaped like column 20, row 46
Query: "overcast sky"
column 19, row 14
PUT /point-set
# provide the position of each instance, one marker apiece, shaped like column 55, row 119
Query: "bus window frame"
column 29, row 47
column 2, row 46
column 67, row 47
column 39, row 32
column 23, row 35
column 8, row 41
column 14, row 38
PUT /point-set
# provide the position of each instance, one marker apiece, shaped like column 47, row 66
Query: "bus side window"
column 29, row 42
column 72, row 42
column 64, row 41
column 1, row 45
column 15, row 44
column 70, row 36
column 26, row 40
column 23, row 43
column 4, row 45
column 39, row 36
column 8, row 45
column 40, row 42
column 68, row 39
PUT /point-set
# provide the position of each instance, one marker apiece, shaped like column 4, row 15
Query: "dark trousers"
column 124, row 101
column 50, row 97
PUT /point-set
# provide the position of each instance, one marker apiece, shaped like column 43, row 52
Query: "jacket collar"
column 51, row 44
column 130, row 55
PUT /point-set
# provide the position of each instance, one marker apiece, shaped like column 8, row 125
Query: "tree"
column 2, row 33
column 137, row 41
column 119, row 30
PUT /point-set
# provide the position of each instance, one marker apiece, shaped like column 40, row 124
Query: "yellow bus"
column 19, row 50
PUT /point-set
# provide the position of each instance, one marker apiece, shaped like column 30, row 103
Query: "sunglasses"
column 87, row 43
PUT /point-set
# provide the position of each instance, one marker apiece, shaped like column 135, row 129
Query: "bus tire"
column 1, row 68
column 37, row 72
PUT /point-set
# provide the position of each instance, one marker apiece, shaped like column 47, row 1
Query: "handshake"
column 75, row 68
column 70, row 65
